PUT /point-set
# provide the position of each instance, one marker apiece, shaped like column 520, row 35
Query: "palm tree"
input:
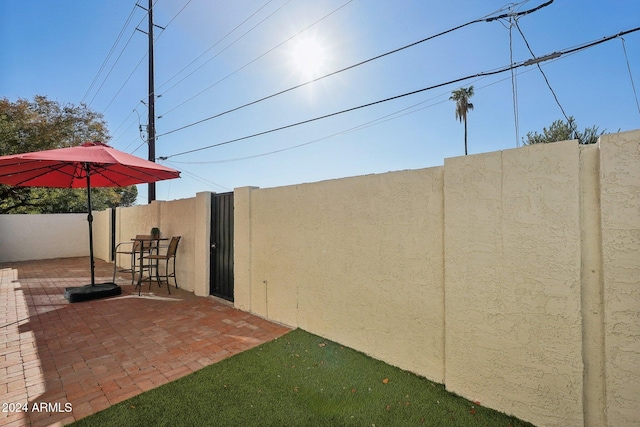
column 461, row 96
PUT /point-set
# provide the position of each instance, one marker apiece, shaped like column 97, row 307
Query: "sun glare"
column 308, row 57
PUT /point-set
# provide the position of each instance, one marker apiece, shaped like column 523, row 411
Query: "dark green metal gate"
column 221, row 252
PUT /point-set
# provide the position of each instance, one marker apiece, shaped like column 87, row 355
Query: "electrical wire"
column 255, row 59
column 198, row 177
column 514, row 84
column 528, row 62
column 356, row 65
column 211, row 47
column 124, row 84
column 383, row 119
column 111, row 69
column 545, row 78
column 106, row 59
column 140, row 62
column 633, row 86
column 143, row 57
column 486, row 17
column 175, row 16
column 157, row 37
column 361, row 126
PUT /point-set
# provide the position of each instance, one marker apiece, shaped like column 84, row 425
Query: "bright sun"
column 308, row 57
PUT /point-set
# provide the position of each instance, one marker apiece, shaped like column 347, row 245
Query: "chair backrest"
column 138, row 243
column 173, row 246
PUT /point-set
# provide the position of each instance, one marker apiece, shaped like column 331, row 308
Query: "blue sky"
column 56, row 48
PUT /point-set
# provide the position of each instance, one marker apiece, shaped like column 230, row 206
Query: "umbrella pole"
column 90, row 220
column 92, row 291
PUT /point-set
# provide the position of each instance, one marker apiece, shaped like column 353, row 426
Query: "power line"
column 111, row 69
column 544, row 75
column 514, row 83
column 387, row 117
column 175, row 16
column 198, row 177
column 143, row 57
column 358, row 64
column 528, row 62
column 255, row 59
column 370, row 123
column 106, row 59
column 125, row 83
column 633, row 86
column 337, row 113
column 156, row 38
column 214, row 45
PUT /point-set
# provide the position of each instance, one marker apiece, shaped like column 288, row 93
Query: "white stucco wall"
column 29, row 237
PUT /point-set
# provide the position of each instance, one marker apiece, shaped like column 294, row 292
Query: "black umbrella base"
column 91, row 292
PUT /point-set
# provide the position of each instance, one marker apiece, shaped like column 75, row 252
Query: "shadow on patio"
column 62, row 361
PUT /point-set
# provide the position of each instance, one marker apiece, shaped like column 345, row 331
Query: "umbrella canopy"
column 90, row 164
column 67, row 168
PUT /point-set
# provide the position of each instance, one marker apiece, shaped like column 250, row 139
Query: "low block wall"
column 511, row 277
column 29, row 237
column 187, row 218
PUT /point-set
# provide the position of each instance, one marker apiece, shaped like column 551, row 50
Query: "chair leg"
column 115, row 268
column 157, row 267
column 175, row 279
column 151, row 274
column 133, row 267
column 166, row 276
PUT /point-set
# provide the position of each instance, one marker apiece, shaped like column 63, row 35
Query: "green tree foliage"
column 42, row 124
column 463, row 106
column 564, row 131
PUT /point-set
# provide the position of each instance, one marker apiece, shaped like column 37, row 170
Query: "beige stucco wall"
column 592, row 309
column 187, row 218
column 512, row 280
column 132, row 221
column 512, row 277
column 102, row 234
column 620, row 217
column 29, row 237
column 349, row 260
column 178, row 219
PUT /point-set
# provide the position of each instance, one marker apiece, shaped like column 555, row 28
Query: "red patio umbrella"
column 90, row 164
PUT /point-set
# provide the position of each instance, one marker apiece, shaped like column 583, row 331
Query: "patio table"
column 146, row 242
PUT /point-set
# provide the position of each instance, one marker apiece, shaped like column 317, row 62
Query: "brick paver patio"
column 66, row 361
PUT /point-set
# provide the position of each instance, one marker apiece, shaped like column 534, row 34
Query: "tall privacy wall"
column 511, row 277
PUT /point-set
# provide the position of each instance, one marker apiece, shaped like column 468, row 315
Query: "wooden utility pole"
column 151, row 129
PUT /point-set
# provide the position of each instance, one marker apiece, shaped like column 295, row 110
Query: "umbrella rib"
column 142, row 174
column 69, row 167
column 45, row 170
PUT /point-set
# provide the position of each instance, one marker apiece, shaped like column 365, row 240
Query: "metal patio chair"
column 132, row 249
column 170, row 255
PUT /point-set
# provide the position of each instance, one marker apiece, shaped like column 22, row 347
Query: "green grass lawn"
column 299, row 379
